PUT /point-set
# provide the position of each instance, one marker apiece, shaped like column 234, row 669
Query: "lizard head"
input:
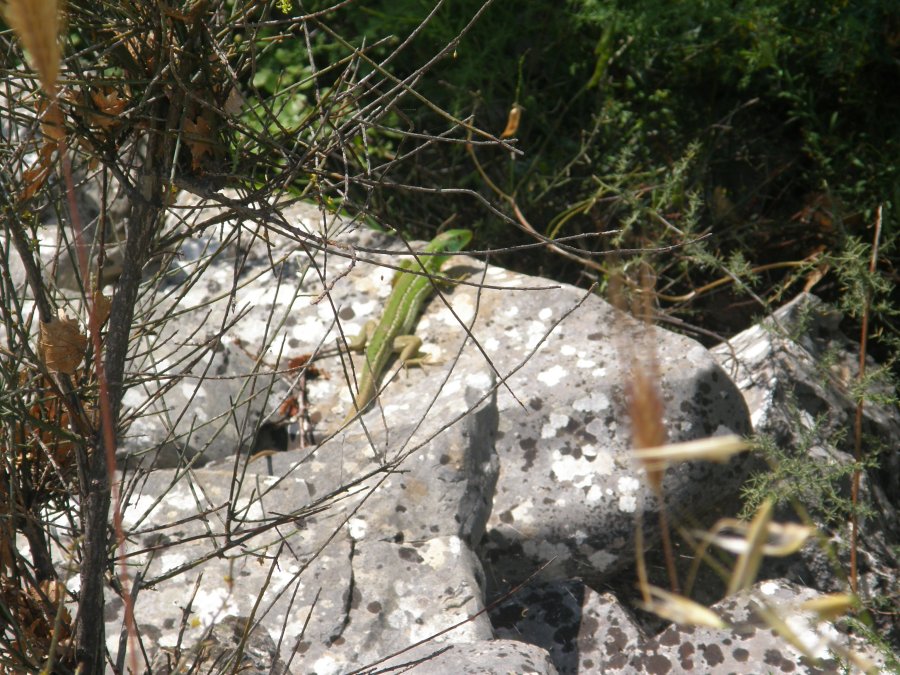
column 451, row 240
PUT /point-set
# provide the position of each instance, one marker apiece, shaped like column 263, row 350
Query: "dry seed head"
column 38, row 25
column 715, row 449
column 679, row 609
column 830, row 607
column 748, row 562
column 782, row 539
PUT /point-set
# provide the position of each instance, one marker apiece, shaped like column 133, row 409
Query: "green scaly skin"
column 394, row 333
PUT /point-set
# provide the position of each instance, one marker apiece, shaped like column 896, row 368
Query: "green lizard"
column 393, row 333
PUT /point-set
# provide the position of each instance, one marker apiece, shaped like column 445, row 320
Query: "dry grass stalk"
column 782, row 539
column 646, row 409
column 858, row 419
column 38, row 24
column 716, row 449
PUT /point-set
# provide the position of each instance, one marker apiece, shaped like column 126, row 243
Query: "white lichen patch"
column 134, row 397
column 73, row 583
column 769, row 588
column 181, row 499
column 462, row 303
column 214, row 605
column 313, row 329
column 627, row 503
column 327, row 665
column 192, row 392
column 601, row 560
column 602, row 463
column 522, row 513
column 510, row 312
column 169, row 561
column 397, row 411
column 537, row 333
column 258, row 295
column 281, row 577
column 357, row 528
column 600, row 428
column 378, row 281
column 554, row 422
column 599, row 373
column 249, row 508
column 596, row 402
column 568, row 350
column 755, row 350
column 594, row 494
column 496, row 272
column 552, row 376
column 568, row 469
column 545, row 550
column 452, row 388
column 545, row 314
column 585, row 363
column 480, row 381
column 628, row 487
column 815, row 638
column 136, row 510
column 440, row 552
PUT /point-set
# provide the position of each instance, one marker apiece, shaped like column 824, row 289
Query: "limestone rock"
column 587, row 632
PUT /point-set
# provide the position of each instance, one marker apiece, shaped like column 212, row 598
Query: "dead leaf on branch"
column 62, row 344
column 53, row 124
column 34, row 610
column 199, row 138
column 35, row 176
column 40, row 447
column 109, row 106
column 101, row 307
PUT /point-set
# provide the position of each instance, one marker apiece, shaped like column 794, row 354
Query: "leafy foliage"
column 765, row 125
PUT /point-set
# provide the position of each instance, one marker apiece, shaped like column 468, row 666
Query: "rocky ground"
column 482, row 518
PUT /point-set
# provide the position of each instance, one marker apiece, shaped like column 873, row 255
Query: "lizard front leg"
column 407, row 349
column 359, row 342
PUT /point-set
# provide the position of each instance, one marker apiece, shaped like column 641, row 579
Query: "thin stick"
column 857, row 423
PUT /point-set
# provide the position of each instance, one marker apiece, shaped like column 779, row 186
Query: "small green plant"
column 800, row 477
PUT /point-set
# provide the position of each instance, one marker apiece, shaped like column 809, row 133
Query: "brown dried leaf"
column 198, row 136
column 110, row 105
column 234, row 103
column 62, row 344
column 102, row 306
column 35, row 176
column 7, row 553
column 512, row 122
column 53, row 124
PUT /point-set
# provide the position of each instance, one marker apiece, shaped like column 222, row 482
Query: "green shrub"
column 777, row 102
